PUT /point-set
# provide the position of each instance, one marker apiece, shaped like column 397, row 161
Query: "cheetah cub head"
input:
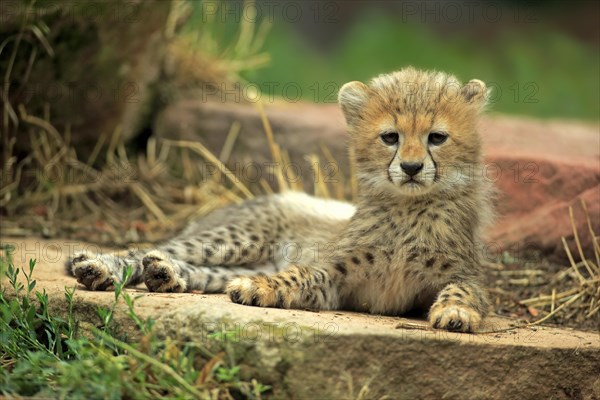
column 414, row 132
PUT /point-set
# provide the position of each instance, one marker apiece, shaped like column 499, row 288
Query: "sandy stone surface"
column 307, row 354
column 50, row 275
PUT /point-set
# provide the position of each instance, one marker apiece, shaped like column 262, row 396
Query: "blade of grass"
column 230, row 140
column 578, row 242
column 573, row 265
column 275, row 153
column 146, row 358
column 592, row 235
column 204, row 152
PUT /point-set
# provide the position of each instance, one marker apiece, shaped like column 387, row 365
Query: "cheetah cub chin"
column 411, row 242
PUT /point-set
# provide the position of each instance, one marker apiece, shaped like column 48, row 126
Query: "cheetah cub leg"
column 161, row 274
column 296, row 287
column 101, row 271
column 459, row 307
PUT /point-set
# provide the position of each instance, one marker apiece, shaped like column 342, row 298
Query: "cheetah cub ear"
column 353, row 97
column 475, row 92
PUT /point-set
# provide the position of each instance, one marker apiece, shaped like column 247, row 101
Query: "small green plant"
column 45, row 355
column 107, row 314
column 224, row 335
column 28, row 328
column 227, row 374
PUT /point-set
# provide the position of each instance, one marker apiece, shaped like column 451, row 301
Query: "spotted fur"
column 410, row 243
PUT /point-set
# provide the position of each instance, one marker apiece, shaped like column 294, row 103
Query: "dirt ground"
column 510, row 283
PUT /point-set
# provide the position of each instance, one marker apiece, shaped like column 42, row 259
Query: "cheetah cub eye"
column 437, row 138
column 389, row 138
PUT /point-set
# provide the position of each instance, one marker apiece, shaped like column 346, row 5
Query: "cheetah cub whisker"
column 411, row 241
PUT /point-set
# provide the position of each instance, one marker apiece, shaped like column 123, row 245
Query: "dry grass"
column 346, row 389
column 571, row 296
column 200, row 56
column 53, row 189
column 581, row 301
column 113, row 197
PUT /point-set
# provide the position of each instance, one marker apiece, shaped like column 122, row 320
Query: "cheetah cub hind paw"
column 92, row 272
column 454, row 317
column 160, row 275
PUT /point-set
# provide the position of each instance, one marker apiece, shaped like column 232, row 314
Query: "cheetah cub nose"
column 411, row 169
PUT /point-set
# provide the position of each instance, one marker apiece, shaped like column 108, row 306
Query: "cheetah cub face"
column 413, row 132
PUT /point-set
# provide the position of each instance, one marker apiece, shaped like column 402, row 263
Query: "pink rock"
column 546, row 166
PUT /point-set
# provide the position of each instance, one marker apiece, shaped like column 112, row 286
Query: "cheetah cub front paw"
column 92, row 272
column 254, row 292
column 160, row 275
column 454, row 317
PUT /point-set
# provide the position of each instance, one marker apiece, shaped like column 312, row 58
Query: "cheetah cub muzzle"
column 411, row 242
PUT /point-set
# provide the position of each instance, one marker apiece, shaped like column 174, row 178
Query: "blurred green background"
column 541, row 58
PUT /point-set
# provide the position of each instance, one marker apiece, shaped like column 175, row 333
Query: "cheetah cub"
column 411, row 243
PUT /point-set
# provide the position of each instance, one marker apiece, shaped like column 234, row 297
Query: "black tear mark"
column 436, row 177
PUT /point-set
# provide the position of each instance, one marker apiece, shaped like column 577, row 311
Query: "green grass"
column 47, row 355
column 534, row 69
column 539, row 73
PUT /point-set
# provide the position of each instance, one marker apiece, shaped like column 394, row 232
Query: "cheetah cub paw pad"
column 91, row 272
column 160, row 275
column 453, row 317
column 254, row 292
